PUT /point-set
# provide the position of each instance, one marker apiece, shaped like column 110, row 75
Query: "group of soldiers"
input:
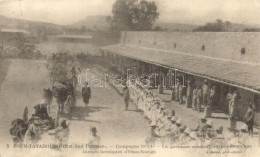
column 196, row 95
column 168, row 129
column 205, row 94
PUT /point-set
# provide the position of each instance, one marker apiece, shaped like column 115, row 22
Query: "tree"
column 132, row 15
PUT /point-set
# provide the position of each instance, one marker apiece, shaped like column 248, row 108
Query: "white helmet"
column 209, row 122
column 187, row 130
column 193, row 134
column 243, row 127
column 153, row 123
column 174, row 119
column 179, row 121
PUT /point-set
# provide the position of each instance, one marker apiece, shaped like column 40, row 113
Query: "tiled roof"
column 239, row 74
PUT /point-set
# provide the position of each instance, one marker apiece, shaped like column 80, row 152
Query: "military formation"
column 169, row 130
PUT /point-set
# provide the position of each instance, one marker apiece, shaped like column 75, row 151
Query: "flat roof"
column 14, row 31
column 233, row 73
column 75, row 36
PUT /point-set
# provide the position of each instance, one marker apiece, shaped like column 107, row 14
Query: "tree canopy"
column 133, row 15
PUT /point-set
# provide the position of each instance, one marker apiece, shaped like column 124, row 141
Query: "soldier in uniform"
column 180, row 87
column 199, row 98
column 176, row 89
column 205, row 93
column 185, row 138
column 189, row 93
column 194, row 97
column 234, row 103
column 152, row 136
column 201, row 128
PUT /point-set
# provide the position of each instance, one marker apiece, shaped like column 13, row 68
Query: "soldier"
column 209, row 133
column 86, row 93
column 199, row 98
column 172, row 125
column 178, row 134
column 180, row 87
column 212, row 97
column 201, row 128
column 185, row 138
column 189, row 93
column 243, row 137
column 176, row 89
column 152, row 136
column 229, row 96
column 194, row 97
column 194, row 141
column 126, row 96
column 249, row 118
column 94, row 139
column 234, row 103
column 205, row 93
column 63, row 133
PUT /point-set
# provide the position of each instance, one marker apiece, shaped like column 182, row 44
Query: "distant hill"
column 35, row 27
column 97, row 22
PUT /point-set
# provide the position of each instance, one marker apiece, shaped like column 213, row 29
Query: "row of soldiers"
column 171, row 130
column 205, row 94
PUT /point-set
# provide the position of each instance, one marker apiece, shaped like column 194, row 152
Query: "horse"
column 48, row 97
column 18, row 130
column 61, row 92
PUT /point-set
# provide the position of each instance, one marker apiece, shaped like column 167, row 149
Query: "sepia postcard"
column 129, row 78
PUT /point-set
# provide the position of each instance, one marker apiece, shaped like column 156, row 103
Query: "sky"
column 174, row 11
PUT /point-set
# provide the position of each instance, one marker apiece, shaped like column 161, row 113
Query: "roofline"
column 191, row 73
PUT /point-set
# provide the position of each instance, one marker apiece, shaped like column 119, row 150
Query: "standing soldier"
column 199, row 98
column 234, row 103
column 189, row 93
column 126, row 96
column 229, row 97
column 249, row 118
column 194, row 97
column 212, row 97
column 180, row 87
column 205, row 93
column 176, row 88
column 86, row 93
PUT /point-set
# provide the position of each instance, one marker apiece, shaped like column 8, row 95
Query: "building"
column 227, row 59
column 12, row 39
column 74, row 38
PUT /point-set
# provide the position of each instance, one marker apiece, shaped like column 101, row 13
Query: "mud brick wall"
column 238, row 46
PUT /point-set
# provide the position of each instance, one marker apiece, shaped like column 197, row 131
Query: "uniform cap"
column 203, row 117
column 220, row 128
column 243, row 127
column 209, row 122
column 183, row 127
column 179, row 121
column 153, row 123
column 187, row 130
column 193, row 134
column 174, row 119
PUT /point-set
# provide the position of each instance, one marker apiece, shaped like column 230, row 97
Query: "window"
column 203, row 47
column 243, row 51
